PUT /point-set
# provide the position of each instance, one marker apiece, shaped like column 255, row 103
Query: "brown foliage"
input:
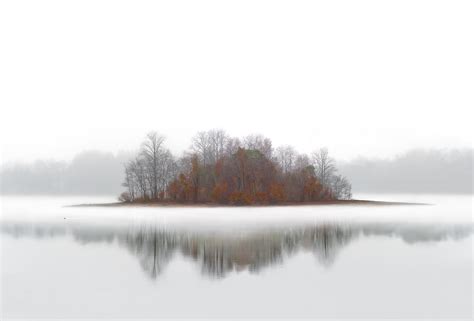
column 277, row 193
column 222, row 170
column 219, row 167
column 246, row 177
column 241, row 198
column 219, row 192
column 173, row 190
column 195, row 178
column 262, row 197
column 312, row 189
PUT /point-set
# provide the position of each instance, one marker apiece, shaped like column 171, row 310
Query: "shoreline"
column 283, row 204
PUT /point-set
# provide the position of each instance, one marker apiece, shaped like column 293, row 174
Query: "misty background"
column 102, row 173
column 394, row 87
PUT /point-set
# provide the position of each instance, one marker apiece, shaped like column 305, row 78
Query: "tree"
column 209, row 146
column 285, row 157
column 138, row 173
column 125, row 197
column 167, row 170
column 232, row 146
column 221, row 169
column 324, row 166
column 217, row 143
column 277, row 193
column 219, row 192
column 260, row 143
column 152, row 150
column 341, row 187
column 195, row 177
column 312, row 189
column 129, row 183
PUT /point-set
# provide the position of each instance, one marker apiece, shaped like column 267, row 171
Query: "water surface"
column 286, row 262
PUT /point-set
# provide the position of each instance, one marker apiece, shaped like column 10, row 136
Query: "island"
column 220, row 169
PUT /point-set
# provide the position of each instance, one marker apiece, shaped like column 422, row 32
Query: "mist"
column 88, row 173
column 416, row 171
column 102, row 173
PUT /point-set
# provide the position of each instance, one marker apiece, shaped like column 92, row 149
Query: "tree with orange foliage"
column 277, row 193
column 195, row 177
column 221, row 169
column 219, row 192
column 312, row 189
column 241, row 198
column 262, row 197
column 173, row 190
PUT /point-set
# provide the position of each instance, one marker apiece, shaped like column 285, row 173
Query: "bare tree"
column 232, row 146
column 152, row 150
column 210, row 145
column 137, row 169
column 217, row 143
column 222, row 169
column 260, row 143
column 129, row 182
column 200, row 146
column 302, row 161
column 324, row 166
column 341, row 188
column 167, row 169
column 285, row 157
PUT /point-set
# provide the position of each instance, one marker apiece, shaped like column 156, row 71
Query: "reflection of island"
column 221, row 253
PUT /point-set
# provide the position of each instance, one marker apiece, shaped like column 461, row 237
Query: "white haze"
column 368, row 78
column 364, row 262
column 437, row 208
column 99, row 173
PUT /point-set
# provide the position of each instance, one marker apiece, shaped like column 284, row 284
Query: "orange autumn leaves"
column 246, row 177
column 227, row 170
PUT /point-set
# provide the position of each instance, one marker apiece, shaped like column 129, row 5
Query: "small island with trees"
column 219, row 169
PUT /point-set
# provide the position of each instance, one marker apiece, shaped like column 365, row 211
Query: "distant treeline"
column 223, row 169
column 416, row 171
column 93, row 172
column 89, row 173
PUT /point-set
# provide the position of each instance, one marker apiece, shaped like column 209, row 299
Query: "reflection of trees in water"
column 326, row 241
column 154, row 248
column 221, row 253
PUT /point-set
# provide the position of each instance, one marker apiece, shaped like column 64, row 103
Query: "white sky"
column 369, row 78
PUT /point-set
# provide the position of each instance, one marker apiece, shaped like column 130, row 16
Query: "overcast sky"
column 369, row 78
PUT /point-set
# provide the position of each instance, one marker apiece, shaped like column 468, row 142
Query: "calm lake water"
column 286, row 262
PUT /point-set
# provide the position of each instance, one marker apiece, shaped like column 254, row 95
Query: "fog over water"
column 218, row 253
column 94, row 172
column 385, row 86
column 305, row 261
